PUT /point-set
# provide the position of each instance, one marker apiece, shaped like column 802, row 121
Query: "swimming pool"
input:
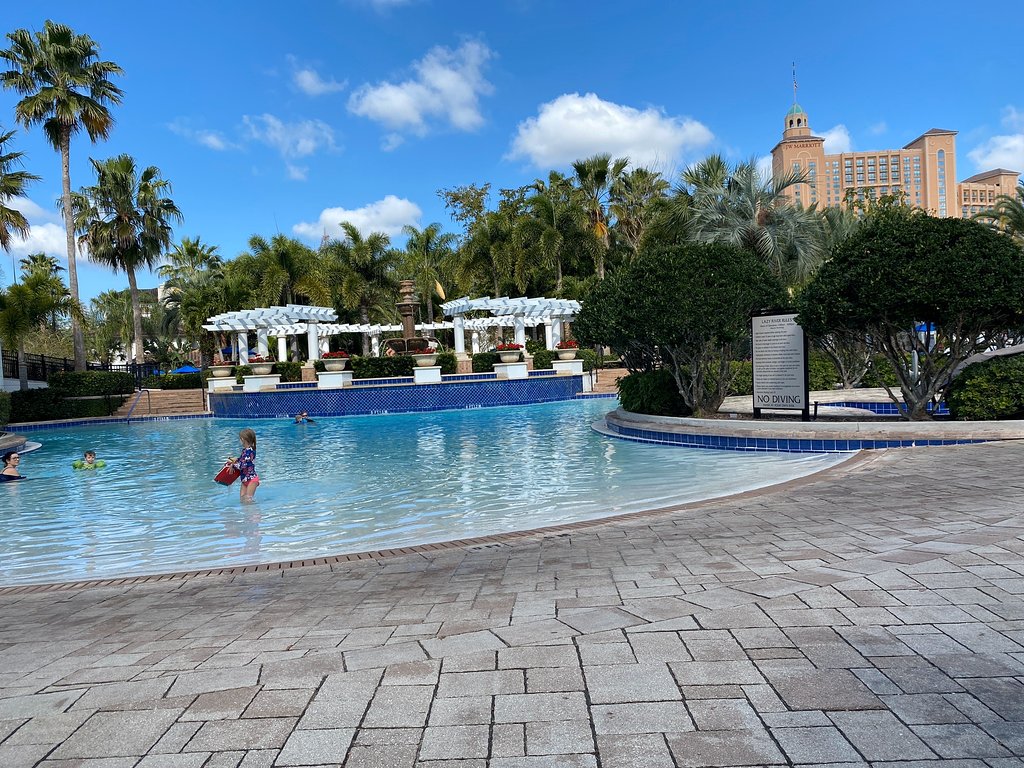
column 341, row 485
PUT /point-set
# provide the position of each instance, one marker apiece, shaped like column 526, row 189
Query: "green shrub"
column 821, row 372
column 988, row 391
column 535, row 346
column 85, row 383
column 652, row 392
column 449, row 363
column 542, row 359
column 49, row 405
column 381, row 367
column 5, row 408
column 483, row 362
column 591, row 359
column 742, row 377
column 289, row 371
column 153, row 382
column 241, row 371
column 880, row 372
column 178, row 381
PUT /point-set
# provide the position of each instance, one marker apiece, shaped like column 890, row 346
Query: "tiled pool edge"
column 477, row 542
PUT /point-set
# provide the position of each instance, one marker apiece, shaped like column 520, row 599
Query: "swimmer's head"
column 90, row 457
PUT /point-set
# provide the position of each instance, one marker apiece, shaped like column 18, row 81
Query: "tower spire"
column 794, row 83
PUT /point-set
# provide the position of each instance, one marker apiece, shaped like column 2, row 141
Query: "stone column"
column 282, row 348
column 262, row 347
column 460, row 335
column 375, row 344
column 520, row 331
column 475, row 341
column 556, row 332
column 549, row 335
column 313, row 341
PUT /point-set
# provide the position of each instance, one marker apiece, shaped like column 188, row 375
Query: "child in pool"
column 89, row 462
column 246, row 465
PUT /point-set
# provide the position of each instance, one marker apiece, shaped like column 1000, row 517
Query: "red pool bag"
column 227, row 476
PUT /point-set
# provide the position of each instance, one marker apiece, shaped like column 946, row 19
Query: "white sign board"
column 780, row 362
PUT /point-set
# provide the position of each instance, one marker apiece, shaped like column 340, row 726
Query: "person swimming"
column 88, row 462
column 303, row 418
column 10, row 471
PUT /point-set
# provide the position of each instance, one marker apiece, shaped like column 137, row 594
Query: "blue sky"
column 290, row 117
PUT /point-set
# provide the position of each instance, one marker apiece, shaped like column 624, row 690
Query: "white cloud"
column 297, row 172
column 292, row 140
column 764, row 166
column 308, row 80
column 210, row 139
column 48, row 238
column 837, row 140
column 33, row 211
column 447, row 87
column 388, row 215
column 1004, row 151
column 574, row 126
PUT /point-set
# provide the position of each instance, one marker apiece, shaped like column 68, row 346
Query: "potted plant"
column 566, row 349
column 221, row 369
column 335, row 361
column 509, row 353
column 260, row 365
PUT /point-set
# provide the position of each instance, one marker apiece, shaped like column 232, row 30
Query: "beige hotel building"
column 924, row 172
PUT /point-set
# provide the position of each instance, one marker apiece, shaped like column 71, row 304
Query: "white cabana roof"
column 539, row 308
column 270, row 317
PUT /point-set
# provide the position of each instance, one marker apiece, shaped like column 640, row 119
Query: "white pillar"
column 325, row 344
column 375, row 344
column 282, row 348
column 312, row 341
column 460, row 334
column 549, row 335
column 262, row 347
column 520, row 330
column 242, row 340
column 475, row 342
column 557, row 332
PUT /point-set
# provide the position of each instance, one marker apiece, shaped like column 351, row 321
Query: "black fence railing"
column 41, row 366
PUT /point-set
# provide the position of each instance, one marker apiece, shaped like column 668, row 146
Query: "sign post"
column 779, row 355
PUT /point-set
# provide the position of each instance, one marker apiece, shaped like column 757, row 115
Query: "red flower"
column 335, row 355
column 260, row 359
column 509, row 347
column 567, row 344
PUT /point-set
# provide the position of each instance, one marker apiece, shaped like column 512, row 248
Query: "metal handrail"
column 149, row 403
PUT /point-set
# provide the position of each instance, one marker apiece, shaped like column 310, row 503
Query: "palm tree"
column 755, row 213
column 66, row 88
column 189, row 259
column 428, row 253
column 633, row 198
column 595, row 177
column 556, row 229
column 111, row 323
column 12, row 184
column 286, row 271
column 1007, row 214
column 48, row 269
column 24, row 307
column 125, row 220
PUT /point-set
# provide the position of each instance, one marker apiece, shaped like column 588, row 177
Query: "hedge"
column 5, row 408
column 381, row 367
column 174, row 381
column 652, row 392
column 542, row 359
column 289, row 371
column 49, row 405
column 742, row 377
column 988, row 391
column 483, row 362
column 85, row 383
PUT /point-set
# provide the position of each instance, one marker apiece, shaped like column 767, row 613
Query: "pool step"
column 165, row 402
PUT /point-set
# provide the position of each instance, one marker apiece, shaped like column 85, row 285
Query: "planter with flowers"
column 509, row 353
column 567, row 349
column 221, row 370
column 335, row 361
column 261, row 366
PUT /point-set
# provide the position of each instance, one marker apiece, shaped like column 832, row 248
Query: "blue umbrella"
column 186, row 369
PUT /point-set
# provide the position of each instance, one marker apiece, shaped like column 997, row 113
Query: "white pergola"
column 518, row 313
column 290, row 320
column 319, row 323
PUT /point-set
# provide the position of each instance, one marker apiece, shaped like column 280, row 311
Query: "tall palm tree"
column 12, row 184
column 24, row 307
column 66, row 88
column 633, row 198
column 111, row 324
column 755, row 213
column 48, row 269
column 595, row 177
column 428, row 253
column 286, row 270
column 1007, row 214
column 189, row 259
column 556, row 230
column 125, row 221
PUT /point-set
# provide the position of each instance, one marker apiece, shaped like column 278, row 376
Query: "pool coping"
column 470, row 543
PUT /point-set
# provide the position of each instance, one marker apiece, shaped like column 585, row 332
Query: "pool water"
column 341, row 485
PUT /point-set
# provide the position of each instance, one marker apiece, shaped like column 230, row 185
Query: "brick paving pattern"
column 873, row 616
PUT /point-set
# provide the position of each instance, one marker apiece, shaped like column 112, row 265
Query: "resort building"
column 923, row 172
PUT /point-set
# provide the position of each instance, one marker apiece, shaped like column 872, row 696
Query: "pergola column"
column 312, row 341
column 262, row 347
column 282, row 347
column 242, row 340
column 460, row 335
column 475, row 341
column 375, row 344
column 557, row 332
column 520, row 330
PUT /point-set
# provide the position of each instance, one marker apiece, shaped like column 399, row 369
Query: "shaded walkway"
column 873, row 615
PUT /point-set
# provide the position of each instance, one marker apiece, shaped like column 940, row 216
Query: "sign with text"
column 779, row 353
